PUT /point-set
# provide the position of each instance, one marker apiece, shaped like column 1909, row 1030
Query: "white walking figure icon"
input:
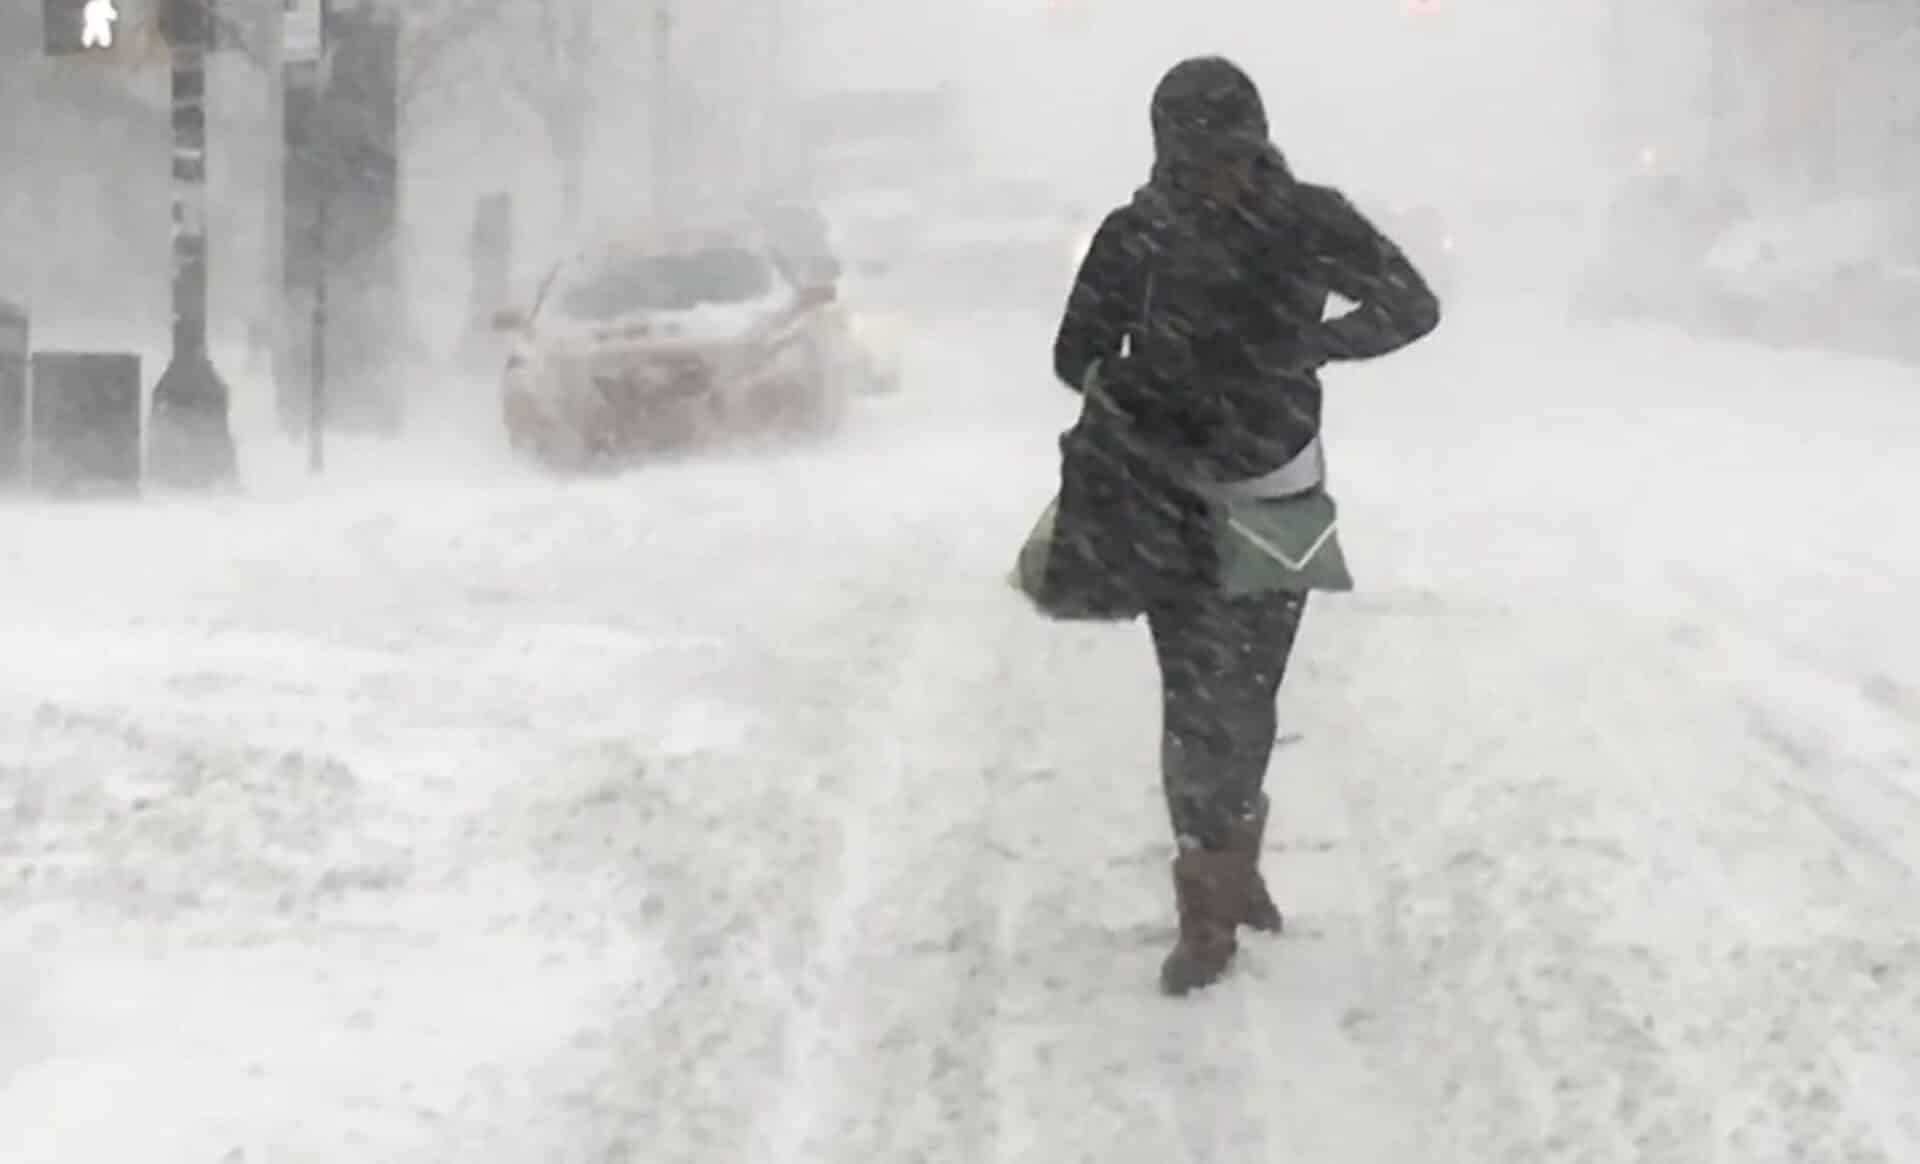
column 97, row 31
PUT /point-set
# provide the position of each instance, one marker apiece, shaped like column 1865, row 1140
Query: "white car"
column 811, row 250
column 1842, row 274
column 630, row 348
column 981, row 240
column 1648, row 261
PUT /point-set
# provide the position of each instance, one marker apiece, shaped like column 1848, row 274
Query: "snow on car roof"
column 1812, row 241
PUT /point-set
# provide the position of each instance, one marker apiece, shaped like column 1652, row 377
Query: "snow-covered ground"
column 736, row 810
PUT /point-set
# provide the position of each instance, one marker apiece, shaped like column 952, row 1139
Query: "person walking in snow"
column 1193, row 485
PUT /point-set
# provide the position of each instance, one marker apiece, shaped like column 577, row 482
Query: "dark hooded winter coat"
column 1201, row 321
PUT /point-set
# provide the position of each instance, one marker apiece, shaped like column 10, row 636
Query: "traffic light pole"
column 317, row 352
column 190, row 443
column 665, row 157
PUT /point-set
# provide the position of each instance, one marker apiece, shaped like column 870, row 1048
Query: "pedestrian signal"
column 81, row 27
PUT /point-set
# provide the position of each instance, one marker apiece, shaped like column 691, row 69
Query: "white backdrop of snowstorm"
column 438, row 807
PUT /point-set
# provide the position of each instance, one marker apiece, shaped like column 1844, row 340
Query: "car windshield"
column 637, row 284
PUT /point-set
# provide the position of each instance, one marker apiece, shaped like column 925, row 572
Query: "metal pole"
column 1626, row 109
column 1720, row 98
column 1824, row 115
column 1622, row 47
column 192, row 443
column 772, row 169
column 663, row 151
column 302, row 177
column 190, row 182
column 319, row 180
column 317, row 381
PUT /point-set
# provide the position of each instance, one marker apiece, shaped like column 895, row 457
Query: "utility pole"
column 1822, row 116
column 1622, row 45
column 191, row 441
column 1721, row 98
column 302, row 230
column 1628, row 105
column 343, row 125
column 317, row 383
column 664, row 155
column 771, row 141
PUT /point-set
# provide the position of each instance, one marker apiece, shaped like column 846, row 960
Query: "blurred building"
column 1819, row 96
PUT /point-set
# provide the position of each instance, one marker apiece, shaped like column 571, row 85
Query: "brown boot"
column 1243, row 840
column 1209, row 890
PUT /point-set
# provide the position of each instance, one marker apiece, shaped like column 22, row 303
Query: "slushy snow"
column 735, row 809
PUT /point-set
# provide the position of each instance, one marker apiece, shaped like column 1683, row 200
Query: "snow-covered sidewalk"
column 735, row 810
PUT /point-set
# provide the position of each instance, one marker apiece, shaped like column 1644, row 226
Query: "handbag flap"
column 1293, row 530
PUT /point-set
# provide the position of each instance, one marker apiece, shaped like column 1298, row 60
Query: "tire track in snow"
column 860, row 799
column 1281, row 1068
column 1622, row 934
column 895, row 1056
column 1069, row 1070
column 832, row 978
column 734, row 866
column 849, row 889
column 1844, row 733
column 1325, row 987
column 1260, row 1067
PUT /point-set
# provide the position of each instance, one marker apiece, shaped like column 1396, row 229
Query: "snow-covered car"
column 633, row 348
column 803, row 242
column 1843, row 274
column 992, row 226
column 968, row 240
column 1648, row 261
column 957, row 235
column 874, row 230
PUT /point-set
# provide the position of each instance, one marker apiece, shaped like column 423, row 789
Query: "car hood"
column 668, row 333
column 1778, row 251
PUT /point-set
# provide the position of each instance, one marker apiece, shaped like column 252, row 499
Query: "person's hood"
column 1206, row 111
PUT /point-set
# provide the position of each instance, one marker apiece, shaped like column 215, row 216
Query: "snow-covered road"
column 736, row 811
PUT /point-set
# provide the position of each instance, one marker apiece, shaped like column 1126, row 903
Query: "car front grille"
column 651, row 377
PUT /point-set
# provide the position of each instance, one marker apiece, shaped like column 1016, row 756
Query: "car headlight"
column 875, row 331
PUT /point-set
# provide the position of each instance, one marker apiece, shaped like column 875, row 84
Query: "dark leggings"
column 1221, row 663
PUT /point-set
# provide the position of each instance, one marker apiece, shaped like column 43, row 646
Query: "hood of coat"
column 1207, row 106
column 1207, row 117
